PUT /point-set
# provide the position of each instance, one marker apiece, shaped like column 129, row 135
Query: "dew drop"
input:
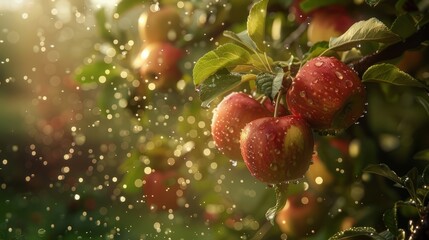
column 339, row 75
column 349, row 83
column 318, row 64
column 302, row 94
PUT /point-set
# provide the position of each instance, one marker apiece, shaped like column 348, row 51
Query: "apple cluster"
column 159, row 30
column 325, row 96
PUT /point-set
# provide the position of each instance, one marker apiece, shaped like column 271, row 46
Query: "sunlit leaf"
column 216, row 85
column 256, row 23
column 371, row 30
column 227, row 55
column 125, row 5
column 389, row 73
column 242, row 38
column 385, row 171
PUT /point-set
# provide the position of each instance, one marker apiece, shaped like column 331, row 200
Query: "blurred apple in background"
column 160, row 24
column 327, row 22
column 159, row 64
column 302, row 215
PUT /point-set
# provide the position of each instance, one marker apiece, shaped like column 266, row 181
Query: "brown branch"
column 392, row 51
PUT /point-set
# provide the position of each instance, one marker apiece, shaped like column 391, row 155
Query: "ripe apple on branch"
column 323, row 89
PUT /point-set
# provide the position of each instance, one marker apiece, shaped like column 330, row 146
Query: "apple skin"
column 327, row 22
column 164, row 25
column 160, row 190
column 327, row 94
column 271, row 106
column 159, row 63
column 229, row 118
column 277, row 149
column 302, row 215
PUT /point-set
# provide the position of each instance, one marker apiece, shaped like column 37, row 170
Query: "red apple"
column 276, row 150
column 327, row 22
column 161, row 190
column 159, row 64
column 271, row 106
column 302, row 215
column 160, row 25
column 327, row 94
column 229, row 118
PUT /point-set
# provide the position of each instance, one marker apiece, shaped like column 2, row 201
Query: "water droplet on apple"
column 339, row 75
column 302, row 94
column 349, row 83
column 318, row 64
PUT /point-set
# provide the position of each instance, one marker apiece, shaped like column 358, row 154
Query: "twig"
column 392, row 51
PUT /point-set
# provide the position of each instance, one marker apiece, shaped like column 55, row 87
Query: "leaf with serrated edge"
column 225, row 56
column 277, row 83
column 354, row 232
column 371, row 30
column 256, row 23
column 389, row 73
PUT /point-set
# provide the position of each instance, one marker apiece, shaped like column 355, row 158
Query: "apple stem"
column 277, row 103
column 281, row 190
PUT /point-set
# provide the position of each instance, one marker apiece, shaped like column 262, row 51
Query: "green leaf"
column 371, row 30
column 410, row 181
column 405, row 25
column 270, row 84
column 256, row 23
column 310, row 5
column 132, row 168
column 216, row 85
column 317, row 49
column 264, row 83
column 92, row 72
column 390, row 220
column 424, row 102
column 389, row 73
column 101, row 22
column 225, row 56
column 281, row 198
column 125, row 5
column 107, row 98
column 385, row 171
column 242, row 38
column 355, row 232
column 422, row 155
